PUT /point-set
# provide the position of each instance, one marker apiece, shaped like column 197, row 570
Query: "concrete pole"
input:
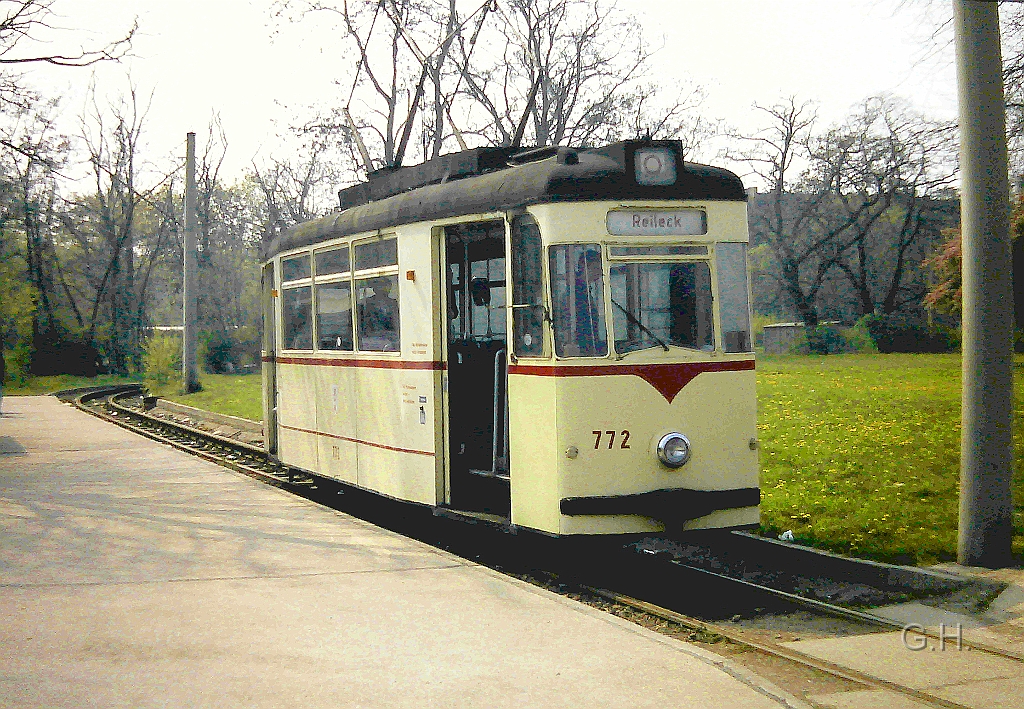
column 986, row 451
column 189, row 296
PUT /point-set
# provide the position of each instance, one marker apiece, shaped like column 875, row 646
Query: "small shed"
column 781, row 338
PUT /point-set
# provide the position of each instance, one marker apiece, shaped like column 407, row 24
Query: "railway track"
column 716, row 573
column 109, row 403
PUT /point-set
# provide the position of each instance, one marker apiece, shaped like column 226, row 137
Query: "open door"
column 477, row 366
column 269, row 368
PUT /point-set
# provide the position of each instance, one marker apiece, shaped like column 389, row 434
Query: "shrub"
column 858, row 338
column 230, row 351
column 215, row 352
column 831, row 338
column 18, row 361
column 896, row 333
column 757, row 327
column 161, row 358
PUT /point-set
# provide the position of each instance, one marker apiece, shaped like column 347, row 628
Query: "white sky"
column 232, row 57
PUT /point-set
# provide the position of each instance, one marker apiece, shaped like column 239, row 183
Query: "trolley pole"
column 986, row 451
column 189, row 296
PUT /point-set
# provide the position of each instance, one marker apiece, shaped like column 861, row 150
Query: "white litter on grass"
column 787, row 536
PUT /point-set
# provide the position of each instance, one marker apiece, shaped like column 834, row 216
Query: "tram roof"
column 501, row 180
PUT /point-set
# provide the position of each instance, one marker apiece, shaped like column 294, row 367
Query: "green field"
column 233, row 394
column 35, row 386
column 859, row 453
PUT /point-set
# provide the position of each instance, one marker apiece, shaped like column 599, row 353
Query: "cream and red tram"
column 557, row 339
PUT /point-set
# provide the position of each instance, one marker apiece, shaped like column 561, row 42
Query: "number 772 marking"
column 623, row 439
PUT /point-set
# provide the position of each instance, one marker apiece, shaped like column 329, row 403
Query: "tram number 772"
column 610, row 436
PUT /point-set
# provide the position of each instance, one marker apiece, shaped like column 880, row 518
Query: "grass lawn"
column 35, row 386
column 861, row 453
column 233, row 394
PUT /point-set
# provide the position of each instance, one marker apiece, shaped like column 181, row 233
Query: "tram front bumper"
column 676, row 504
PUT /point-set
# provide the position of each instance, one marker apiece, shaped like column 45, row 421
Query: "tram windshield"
column 662, row 304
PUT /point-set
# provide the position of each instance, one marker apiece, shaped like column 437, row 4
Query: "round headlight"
column 674, row 450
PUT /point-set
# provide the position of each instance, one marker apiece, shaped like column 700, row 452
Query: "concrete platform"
column 969, row 677
column 133, row 575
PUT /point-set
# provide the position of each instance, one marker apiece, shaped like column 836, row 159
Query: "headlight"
column 655, row 166
column 674, row 450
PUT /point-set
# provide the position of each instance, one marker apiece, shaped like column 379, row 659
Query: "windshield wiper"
column 639, row 324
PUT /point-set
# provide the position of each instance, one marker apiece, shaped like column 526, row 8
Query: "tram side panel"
column 296, row 414
column 396, row 433
column 337, row 410
column 534, row 451
column 268, row 354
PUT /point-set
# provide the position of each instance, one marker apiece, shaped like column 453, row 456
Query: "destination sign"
column 649, row 222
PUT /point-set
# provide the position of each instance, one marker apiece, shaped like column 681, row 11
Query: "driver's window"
column 577, row 299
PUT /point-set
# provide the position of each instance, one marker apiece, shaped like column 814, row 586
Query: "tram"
column 550, row 339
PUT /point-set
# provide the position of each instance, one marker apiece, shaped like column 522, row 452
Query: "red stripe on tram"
column 668, row 379
column 356, row 440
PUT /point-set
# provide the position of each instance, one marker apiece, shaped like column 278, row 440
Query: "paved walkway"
column 134, row 575
column 945, row 669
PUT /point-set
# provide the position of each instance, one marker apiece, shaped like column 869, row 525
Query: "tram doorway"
column 269, row 367
column 477, row 357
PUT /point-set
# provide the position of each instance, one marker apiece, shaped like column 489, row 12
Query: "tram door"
column 269, row 360
column 477, row 367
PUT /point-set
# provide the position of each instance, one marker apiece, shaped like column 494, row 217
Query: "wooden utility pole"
column 986, row 444
column 189, row 296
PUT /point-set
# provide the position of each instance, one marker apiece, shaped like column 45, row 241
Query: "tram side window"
column 334, row 316
column 577, row 299
column 732, row 293
column 527, row 296
column 332, row 261
column 487, row 297
column 378, row 312
column 294, row 269
column 298, row 318
column 377, row 254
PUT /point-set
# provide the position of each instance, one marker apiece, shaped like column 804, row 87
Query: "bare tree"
column 298, row 189
column 40, row 152
column 21, row 24
column 803, row 255
column 30, row 202
column 388, row 78
column 894, row 173
column 570, row 72
column 105, row 226
column 21, row 21
column 588, row 65
column 851, row 212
